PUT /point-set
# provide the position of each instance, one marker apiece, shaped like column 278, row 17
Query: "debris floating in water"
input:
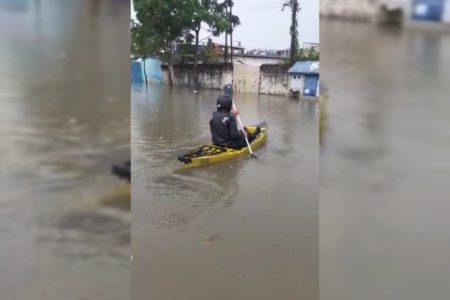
column 209, row 239
column 206, row 239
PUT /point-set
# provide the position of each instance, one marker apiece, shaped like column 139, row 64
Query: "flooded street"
column 242, row 229
column 384, row 209
column 64, row 119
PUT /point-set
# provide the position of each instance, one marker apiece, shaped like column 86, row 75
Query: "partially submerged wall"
column 246, row 78
column 268, row 79
column 274, row 80
column 210, row 76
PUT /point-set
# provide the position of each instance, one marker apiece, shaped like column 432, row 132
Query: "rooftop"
column 305, row 67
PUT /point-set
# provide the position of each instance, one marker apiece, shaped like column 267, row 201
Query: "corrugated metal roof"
column 305, row 67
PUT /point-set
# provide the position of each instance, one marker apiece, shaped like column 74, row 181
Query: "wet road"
column 243, row 229
column 64, row 118
column 384, row 209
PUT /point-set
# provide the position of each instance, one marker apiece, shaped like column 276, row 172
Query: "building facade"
column 304, row 78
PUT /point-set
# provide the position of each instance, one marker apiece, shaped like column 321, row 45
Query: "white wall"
column 273, row 84
column 297, row 83
column 247, row 78
column 211, row 78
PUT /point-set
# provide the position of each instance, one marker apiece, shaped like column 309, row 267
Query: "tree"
column 164, row 22
column 295, row 8
column 313, row 54
column 206, row 11
column 233, row 22
column 208, row 53
column 142, row 44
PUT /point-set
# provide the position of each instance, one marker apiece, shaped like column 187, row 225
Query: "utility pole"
column 225, row 53
column 231, row 31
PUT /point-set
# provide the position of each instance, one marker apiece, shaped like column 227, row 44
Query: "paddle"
column 252, row 155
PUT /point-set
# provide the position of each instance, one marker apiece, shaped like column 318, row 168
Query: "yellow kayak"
column 210, row 154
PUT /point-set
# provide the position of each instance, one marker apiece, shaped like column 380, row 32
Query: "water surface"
column 243, row 229
column 64, row 119
column 384, row 209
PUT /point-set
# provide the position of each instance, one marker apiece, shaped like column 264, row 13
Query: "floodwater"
column 384, row 209
column 242, row 229
column 64, row 115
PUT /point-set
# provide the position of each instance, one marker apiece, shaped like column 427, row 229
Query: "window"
column 295, row 76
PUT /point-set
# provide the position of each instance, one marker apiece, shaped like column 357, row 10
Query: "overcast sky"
column 264, row 25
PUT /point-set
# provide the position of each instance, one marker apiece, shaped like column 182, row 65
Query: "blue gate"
column 310, row 88
column 136, row 72
column 428, row 10
column 153, row 70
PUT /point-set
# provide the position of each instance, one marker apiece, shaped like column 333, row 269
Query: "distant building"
column 220, row 49
column 269, row 53
column 304, row 78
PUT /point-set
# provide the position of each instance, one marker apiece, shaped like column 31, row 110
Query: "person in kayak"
column 223, row 125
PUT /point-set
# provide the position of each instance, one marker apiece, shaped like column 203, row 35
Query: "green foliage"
column 163, row 24
column 314, row 55
column 143, row 45
column 307, row 54
column 230, row 21
column 208, row 55
column 164, row 21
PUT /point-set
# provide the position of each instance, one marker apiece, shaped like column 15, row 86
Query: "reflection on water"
column 384, row 168
column 242, row 229
column 64, row 119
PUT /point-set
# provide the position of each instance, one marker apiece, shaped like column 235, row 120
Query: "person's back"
column 223, row 125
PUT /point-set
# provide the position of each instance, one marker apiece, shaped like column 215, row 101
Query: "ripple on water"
column 179, row 198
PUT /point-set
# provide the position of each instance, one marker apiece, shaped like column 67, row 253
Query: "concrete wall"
column 273, row 80
column 267, row 79
column 211, row 76
column 246, row 78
